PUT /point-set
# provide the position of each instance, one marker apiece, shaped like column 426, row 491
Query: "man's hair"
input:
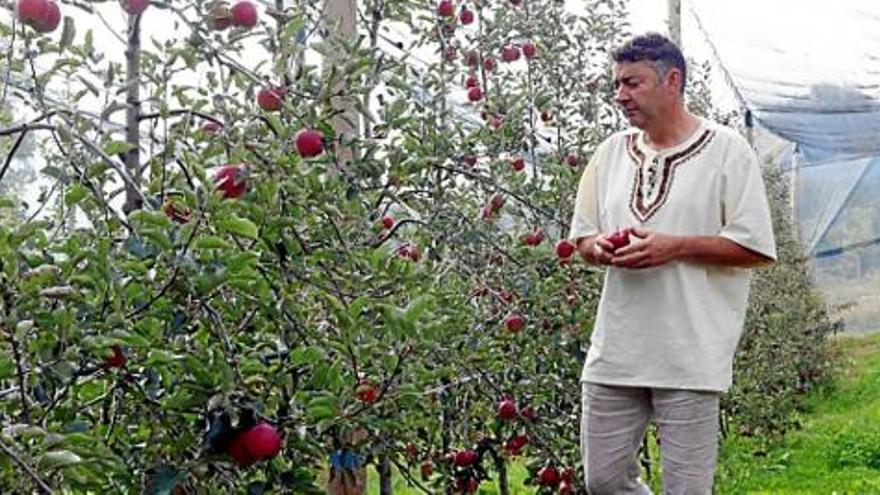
column 656, row 48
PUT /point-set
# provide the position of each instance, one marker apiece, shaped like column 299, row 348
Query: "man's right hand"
column 595, row 250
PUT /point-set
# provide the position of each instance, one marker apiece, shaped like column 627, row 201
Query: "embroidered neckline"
column 642, row 207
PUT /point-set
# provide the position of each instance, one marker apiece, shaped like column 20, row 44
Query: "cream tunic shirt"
column 677, row 325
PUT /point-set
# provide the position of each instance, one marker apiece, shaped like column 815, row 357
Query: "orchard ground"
column 837, row 448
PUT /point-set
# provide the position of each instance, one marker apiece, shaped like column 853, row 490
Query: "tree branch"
column 27, row 468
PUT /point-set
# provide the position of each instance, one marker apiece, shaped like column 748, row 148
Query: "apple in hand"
column 620, row 238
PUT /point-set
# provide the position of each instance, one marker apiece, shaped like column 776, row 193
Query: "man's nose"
column 620, row 94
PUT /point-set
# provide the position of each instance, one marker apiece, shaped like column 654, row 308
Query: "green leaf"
column 239, row 226
column 59, row 458
column 212, row 242
column 67, row 33
column 117, row 147
column 75, row 194
column 25, row 231
column 321, row 407
column 154, row 218
column 7, row 203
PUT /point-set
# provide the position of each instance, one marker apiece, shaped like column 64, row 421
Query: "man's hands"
column 596, row 250
column 649, row 249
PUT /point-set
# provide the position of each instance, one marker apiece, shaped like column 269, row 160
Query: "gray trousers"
column 613, row 423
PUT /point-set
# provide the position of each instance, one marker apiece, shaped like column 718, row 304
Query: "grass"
column 838, row 448
column 837, row 451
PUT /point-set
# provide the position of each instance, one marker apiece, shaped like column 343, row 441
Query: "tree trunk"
column 385, row 482
column 132, row 115
column 503, row 483
column 339, row 19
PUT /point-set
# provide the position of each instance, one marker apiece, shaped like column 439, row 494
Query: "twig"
column 28, row 469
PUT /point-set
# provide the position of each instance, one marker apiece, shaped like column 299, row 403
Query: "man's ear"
column 673, row 78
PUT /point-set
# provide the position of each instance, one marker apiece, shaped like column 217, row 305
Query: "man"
column 674, row 299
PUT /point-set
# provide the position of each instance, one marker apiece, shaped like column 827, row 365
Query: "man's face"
column 642, row 94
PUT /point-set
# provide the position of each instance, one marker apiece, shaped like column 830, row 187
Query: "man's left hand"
column 649, row 250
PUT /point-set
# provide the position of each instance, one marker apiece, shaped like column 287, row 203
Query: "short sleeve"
column 585, row 221
column 745, row 211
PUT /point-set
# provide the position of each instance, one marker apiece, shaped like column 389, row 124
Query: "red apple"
column 450, row 52
column 572, row 160
column 229, row 180
column 568, row 474
column 116, row 360
column 475, row 94
column 427, row 469
column 366, row 391
column 212, row 127
column 620, row 238
column 496, row 202
column 565, row 488
column 269, row 99
column 528, row 413
column 564, row 249
column 546, row 115
column 31, row 12
column 244, row 14
column 411, row 452
column 309, row 143
column 514, row 323
column 515, row 2
column 466, row 17
column 445, row 8
column 239, row 452
column 471, row 82
column 134, row 7
column 548, row 476
column 409, row 251
column 50, row 20
column 515, row 444
column 260, row 442
column 470, row 160
column 507, row 410
column 387, row 221
column 489, row 64
column 529, row 49
column 510, row 53
column 472, row 59
column 466, row 485
column 534, row 238
column 518, row 164
column 465, row 457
